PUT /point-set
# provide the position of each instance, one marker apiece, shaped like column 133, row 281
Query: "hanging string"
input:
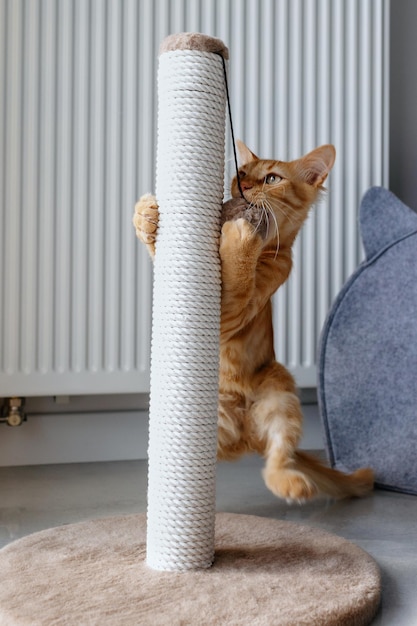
column 231, row 127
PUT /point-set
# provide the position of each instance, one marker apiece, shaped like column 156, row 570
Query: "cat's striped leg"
column 232, row 440
column 291, row 473
column 240, row 247
column 277, row 416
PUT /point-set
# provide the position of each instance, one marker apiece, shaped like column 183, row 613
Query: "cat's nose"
column 245, row 185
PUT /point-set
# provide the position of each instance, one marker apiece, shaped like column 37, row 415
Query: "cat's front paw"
column 145, row 219
column 238, row 235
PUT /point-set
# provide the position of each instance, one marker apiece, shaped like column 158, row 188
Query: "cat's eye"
column 272, row 178
column 242, row 173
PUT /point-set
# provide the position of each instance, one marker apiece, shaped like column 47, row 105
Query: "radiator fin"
column 77, row 148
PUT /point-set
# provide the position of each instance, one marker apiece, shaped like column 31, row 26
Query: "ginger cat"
column 259, row 410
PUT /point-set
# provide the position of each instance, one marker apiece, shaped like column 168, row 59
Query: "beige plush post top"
column 194, row 41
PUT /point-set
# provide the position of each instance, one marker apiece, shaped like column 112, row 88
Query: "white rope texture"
column 186, row 311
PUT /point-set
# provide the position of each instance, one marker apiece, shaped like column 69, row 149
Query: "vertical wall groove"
column 30, row 130
column 77, row 148
column 14, row 38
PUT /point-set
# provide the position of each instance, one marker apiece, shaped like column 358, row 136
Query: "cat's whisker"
column 288, row 214
column 259, row 224
column 276, row 230
column 266, row 216
column 270, row 209
column 256, row 203
column 291, row 206
column 265, row 213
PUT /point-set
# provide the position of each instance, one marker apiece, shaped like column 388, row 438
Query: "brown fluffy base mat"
column 265, row 572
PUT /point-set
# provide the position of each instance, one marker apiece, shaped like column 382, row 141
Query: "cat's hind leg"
column 276, row 413
column 291, row 473
column 233, row 438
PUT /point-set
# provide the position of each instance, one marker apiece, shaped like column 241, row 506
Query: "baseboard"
column 75, row 438
column 98, row 436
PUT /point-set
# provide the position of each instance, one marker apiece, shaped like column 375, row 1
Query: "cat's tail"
column 333, row 482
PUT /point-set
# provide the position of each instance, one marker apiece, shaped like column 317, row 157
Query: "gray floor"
column 384, row 524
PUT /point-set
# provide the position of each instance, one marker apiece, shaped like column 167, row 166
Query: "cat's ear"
column 245, row 155
column 315, row 166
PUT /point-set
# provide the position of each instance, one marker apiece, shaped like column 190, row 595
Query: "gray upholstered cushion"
column 368, row 351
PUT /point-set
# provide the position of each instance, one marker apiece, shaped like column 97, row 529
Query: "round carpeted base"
column 265, row 572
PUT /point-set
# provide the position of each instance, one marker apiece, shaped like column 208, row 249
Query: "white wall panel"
column 77, row 148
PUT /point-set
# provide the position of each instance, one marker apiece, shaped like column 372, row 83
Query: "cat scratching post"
column 186, row 308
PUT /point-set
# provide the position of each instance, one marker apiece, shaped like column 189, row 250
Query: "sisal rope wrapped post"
column 186, row 304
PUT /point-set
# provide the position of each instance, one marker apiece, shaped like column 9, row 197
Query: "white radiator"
column 77, row 148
